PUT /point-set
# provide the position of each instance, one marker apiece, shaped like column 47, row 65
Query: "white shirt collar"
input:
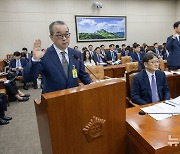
column 59, row 51
column 149, row 74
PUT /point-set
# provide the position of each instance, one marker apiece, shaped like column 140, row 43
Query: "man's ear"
column 145, row 64
column 51, row 36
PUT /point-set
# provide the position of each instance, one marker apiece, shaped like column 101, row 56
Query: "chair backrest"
column 9, row 56
column 125, row 59
column 132, row 66
column 98, row 72
column 119, row 56
column 162, row 65
column 129, row 78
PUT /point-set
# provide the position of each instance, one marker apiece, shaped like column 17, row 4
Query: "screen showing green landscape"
column 100, row 28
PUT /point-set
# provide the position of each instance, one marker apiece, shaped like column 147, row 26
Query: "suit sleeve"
column 169, row 43
column 11, row 64
column 31, row 71
column 135, row 92
column 83, row 75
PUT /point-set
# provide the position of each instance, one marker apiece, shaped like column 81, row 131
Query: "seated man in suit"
column 27, row 54
column 3, row 107
column 98, row 57
column 156, row 50
column 137, row 56
column 150, row 85
column 90, row 47
column 103, row 52
column 59, row 65
column 122, row 51
column 17, row 64
column 111, row 55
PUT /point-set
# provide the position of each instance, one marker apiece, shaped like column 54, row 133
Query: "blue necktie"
column 139, row 57
column 98, row 58
column 153, row 90
column 18, row 64
column 112, row 55
column 157, row 52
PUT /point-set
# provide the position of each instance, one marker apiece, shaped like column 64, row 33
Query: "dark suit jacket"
column 173, row 46
column 141, row 90
column 109, row 57
column 135, row 57
column 123, row 53
column 52, row 71
column 29, row 56
column 13, row 64
column 95, row 58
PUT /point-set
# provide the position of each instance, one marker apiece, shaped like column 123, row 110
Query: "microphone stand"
column 77, row 58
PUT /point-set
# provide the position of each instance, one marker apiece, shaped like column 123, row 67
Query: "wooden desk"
column 115, row 71
column 146, row 135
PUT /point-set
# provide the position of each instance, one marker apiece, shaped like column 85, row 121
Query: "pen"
column 172, row 102
column 168, row 104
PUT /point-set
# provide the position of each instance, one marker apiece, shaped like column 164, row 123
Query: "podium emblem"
column 94, row 129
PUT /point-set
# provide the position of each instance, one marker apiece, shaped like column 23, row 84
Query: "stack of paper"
column 164, row 110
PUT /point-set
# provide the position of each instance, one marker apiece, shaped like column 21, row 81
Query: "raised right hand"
column 37, row 52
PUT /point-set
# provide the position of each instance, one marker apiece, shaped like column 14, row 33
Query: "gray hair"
column 54, row 23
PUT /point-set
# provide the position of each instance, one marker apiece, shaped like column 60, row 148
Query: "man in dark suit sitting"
column 111, row 55
column 136, row 55
column 173, row 46
column 60, row 65
column 17, row 64
column 150, row 85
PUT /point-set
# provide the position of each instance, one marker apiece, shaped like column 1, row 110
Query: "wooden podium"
column 83, row 120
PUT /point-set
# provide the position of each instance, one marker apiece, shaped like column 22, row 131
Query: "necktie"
column 157, row 52
column 153, row 90
column 64, row 63
column 18, row 64
column 98, row 58
column 112, row 55
column 139, row 57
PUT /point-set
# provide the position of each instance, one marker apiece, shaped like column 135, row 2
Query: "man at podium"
column 59, row 65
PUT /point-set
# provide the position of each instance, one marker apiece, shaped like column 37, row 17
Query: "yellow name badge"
column 74, row 72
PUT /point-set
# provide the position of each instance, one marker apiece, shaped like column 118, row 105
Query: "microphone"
column 77, row 58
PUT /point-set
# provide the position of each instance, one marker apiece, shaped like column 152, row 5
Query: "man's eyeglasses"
column 154, row 62
column 60, row 36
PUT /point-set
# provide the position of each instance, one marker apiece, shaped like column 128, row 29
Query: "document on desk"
column 168, row 73
column 176, row 72
column 164, row 110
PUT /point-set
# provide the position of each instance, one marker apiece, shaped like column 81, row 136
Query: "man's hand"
column 14, row 69
column 37, row 52
column 20, row 68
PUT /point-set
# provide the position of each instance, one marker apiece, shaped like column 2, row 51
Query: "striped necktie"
column 64, row 63
column 154, row 89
